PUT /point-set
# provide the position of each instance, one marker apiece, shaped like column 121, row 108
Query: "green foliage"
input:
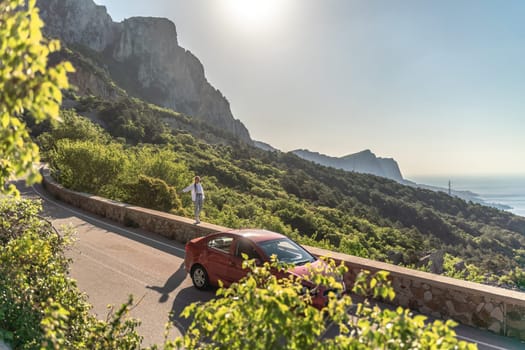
column 280, row 316
column 86, row 161
column 32, row 274
column 274, row 310
column 88, row 166
column 161, row 163
column 352, row 213
column 28, row 85
column 515, row 277
column 397, row 329
column 40, row 306
column 16, row 217
column 72, row 127
column 119, row 331
column 469, row 273
column 155, row 194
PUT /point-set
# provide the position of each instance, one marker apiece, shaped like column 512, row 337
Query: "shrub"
column 154, row 193
column 88, row 166
column 40, row 306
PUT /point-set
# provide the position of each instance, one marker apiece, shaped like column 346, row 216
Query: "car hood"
column 305, row 270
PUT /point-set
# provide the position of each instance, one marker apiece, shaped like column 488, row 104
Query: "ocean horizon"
column 506, row 190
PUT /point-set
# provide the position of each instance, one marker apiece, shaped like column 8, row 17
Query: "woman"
column 197, row 195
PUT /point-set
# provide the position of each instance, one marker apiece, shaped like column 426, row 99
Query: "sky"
column 437, row 85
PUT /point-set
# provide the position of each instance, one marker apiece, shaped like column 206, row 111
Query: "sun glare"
column 253, row 14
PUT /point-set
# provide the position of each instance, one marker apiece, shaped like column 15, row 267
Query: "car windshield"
column 287, row 251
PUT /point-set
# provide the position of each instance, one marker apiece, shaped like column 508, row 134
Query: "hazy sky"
column 437, row 85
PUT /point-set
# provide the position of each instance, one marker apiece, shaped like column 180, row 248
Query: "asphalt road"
column 111, row 262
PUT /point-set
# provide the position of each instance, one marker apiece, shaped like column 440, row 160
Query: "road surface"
column 110, row 262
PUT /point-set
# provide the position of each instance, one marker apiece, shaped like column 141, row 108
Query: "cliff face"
column 143, row 56
column 78, row 21
column 362, row 162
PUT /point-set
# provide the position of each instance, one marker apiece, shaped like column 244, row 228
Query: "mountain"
column 142, row 55
column 366, row 162
column 265, row 146
column 362, row 162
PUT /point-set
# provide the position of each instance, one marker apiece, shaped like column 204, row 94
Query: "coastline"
column 504, row 192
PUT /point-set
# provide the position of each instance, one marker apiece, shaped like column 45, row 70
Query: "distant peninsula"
column 362, row 162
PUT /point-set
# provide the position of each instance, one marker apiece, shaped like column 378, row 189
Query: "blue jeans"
column 198, row 205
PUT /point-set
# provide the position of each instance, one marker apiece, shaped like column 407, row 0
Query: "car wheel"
column 199, row 277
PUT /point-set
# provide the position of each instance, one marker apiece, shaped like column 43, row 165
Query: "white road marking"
column 480, row 342
column 105, row 223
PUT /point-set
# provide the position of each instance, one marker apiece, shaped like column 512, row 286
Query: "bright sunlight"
column 254, row 14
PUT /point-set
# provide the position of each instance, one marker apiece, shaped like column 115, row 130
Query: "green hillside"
column 142, row 149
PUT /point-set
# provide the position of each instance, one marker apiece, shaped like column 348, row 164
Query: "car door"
column 240, row 246
column 219, row 258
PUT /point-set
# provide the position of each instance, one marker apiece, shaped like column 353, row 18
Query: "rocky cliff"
column 362, row 162
column 143, row 56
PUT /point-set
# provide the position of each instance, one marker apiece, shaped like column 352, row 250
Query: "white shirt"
column 194, row 188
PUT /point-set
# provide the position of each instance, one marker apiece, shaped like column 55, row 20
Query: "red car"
column 218, row 257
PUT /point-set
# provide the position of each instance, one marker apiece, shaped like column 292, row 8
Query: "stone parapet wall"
column 171, row 226
column 498, row 310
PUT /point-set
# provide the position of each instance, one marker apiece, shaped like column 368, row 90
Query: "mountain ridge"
column 142, row 55
column 362, row 162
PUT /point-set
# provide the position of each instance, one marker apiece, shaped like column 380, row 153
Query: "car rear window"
column 221, row 243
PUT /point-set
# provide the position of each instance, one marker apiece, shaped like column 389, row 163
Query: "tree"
column 28, row 85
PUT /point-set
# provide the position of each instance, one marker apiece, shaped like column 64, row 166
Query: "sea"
column 508, row 191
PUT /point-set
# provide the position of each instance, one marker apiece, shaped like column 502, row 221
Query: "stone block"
column 418, row 293
column 436, row 314
column 480, row 319
column 488, row 299
column 497, row 314
column 458, row 296
column 476, row 299
column 480, row 307
column 403, row 300
column 427, row 296
column 465, row 318
column 437, row 291
column 516, row 314
column 405, row 282
column 396, row 284
column 519, row 325
column 450, row 308
column 415, row 304
column 495, row 327
column 489, row 307
column 463, row 308
column 425, row 310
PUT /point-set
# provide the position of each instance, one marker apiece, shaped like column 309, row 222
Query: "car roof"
column 256, row 235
